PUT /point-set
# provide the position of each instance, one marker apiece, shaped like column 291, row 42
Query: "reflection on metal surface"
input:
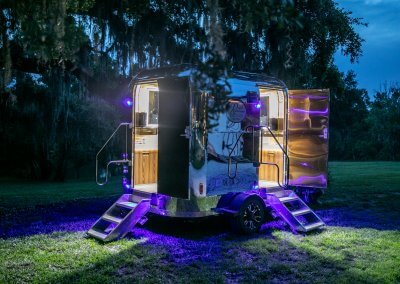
column 232, row 145
column 273, row 168
column 198, row 151
column 193, row 207
column 220, row 136
column 308, row 137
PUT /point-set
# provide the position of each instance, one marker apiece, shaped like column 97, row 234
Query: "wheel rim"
column 252, row 216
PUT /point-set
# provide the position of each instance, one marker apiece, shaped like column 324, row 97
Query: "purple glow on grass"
column 316, row 112
column 128, row 102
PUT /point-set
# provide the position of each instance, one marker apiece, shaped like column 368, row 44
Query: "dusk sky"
column 381, row 50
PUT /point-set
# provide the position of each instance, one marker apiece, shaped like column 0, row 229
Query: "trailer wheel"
column 251, row 216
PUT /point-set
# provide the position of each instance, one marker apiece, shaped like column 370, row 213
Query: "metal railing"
column 234, row 147
column 285, row 180
column 125, row 156
column 260, row 161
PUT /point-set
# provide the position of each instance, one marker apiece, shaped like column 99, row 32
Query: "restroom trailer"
column 258, row 149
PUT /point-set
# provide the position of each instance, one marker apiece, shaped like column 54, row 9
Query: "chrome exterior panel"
column 231, row 147
column 183, row 208
column 308, row 137
column 212, row 136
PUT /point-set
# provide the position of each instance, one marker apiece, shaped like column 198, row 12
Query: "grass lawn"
column 367, row 185
column 20, row 195
column 207, row 252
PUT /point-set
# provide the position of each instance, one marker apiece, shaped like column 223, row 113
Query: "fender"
column 230, row 203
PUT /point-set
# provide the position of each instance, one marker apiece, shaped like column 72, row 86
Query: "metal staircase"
column 294, row 211
column 120, row 218
column 286, row 203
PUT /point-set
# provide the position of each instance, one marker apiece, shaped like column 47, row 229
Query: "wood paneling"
column 146, row 166
column 270, row 172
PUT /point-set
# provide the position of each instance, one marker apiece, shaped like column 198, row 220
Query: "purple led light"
column 128, row 102
column 320, row 179
column 258, row 105
column 317, row 112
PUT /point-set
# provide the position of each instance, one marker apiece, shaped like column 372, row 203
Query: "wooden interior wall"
column 146, row 166
column 269, row 172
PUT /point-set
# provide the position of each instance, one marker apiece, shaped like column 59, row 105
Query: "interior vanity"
column 146, row 138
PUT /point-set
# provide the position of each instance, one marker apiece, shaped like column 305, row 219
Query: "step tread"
column 288, row 199
column 112, row 219
column 97, row 234
column 301, row 212
column 127, row 204
column 313, row 226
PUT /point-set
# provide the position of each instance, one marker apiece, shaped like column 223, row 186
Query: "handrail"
column 125, row 160
column 230, row 158
column 276, row 140
column 261, row 162
column 233, row 149
column 277, row 168
column 273, row 164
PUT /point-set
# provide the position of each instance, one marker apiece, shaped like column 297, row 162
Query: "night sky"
column 380, row 62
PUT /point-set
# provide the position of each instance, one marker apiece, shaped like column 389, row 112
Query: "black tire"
column 251, row 216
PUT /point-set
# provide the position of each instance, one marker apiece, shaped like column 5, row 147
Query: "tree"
column 349, row 110
column 84, row 53
column 384, row 123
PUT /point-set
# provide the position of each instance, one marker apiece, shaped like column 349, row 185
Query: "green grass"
column 19, row 195
column 367, row 185
column 335, row 255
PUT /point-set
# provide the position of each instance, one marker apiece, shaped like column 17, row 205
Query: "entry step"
column 120, row 218
column 294, row 211
column 112, row 219
column 127, row 204
column 301, row 212
column 288, row 199
column 97, row 234
column 313, row 226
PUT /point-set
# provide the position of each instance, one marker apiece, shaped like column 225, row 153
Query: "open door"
column 308, row 123
column 173, row 145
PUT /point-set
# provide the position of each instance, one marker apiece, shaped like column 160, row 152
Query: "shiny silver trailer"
column 194, row 154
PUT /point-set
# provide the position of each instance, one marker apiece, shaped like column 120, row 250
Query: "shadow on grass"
column 79, row 215
column 170, row 250
column 211, row 254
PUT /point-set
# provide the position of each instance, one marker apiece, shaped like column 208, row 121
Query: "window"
column 153, row 107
